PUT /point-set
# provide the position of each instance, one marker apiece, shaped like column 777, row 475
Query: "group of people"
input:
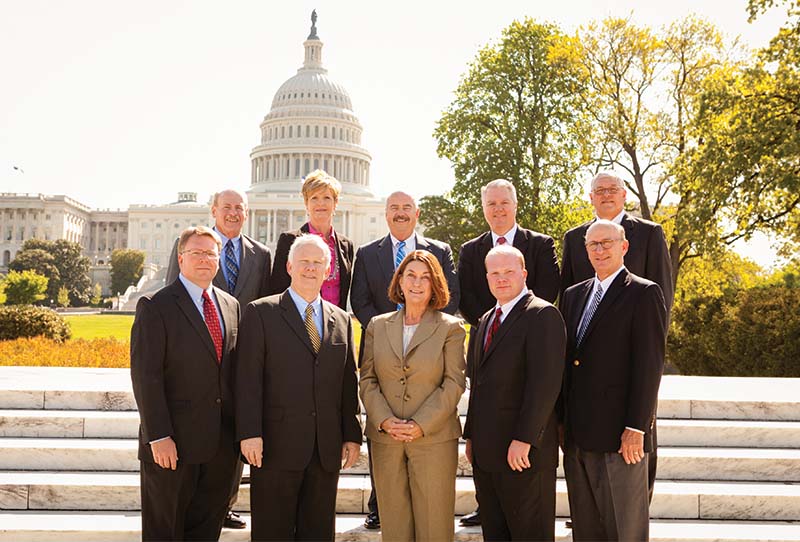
column 238, row 359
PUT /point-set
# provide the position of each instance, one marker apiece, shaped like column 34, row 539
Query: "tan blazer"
column 424, row 385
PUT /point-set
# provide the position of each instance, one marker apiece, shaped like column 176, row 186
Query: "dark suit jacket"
column 374, row 269
column 515, row 384
column 281, row 279
column 254, row 271
column 289, row 396
column 611, row 380
column 180, row 389
column 647, row 257
column 540, row 260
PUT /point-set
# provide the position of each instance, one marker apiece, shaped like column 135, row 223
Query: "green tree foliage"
column 126, row 268
column 67, row 259
column 516, row 115
column 24, row 288
column 62, row 298
column 97, row 295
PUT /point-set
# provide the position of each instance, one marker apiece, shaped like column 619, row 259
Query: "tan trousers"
column 416, row 486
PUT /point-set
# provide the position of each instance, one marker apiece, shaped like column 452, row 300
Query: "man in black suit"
column 373, row 271
column 647, row 256
column 297, row 402
column 181, row 365
column 499, row 200
column 515, row 366
column 616, row 327
column 244, row 272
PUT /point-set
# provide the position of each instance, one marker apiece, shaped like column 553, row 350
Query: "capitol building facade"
column 311, row 125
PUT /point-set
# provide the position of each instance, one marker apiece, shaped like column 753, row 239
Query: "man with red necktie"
column 181, row 367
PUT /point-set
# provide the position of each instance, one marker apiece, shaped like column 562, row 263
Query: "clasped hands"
column 253, row 452
column 401, row 430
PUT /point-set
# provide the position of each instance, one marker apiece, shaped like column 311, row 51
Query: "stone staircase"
column 729, row 462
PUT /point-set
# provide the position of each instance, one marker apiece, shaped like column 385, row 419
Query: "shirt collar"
column 606, row 283
column 509, row 235
column 195, row 291
column 301, row 303
column 312, row 229
column 226, row 239
column 396, row 241
column 506, row 307
column 616, row 220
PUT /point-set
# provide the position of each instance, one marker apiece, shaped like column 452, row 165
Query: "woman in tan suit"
column 412, row 376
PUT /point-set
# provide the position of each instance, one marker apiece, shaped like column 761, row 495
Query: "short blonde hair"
column 319, row 180
column 440, row 295
column 201, row 231
column 506, row 250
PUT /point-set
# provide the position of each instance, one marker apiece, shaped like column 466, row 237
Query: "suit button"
column 403, row 380
column 405, row 368
column 406, row 398
column 218, row 401
column 313, row 413
column 576, row 363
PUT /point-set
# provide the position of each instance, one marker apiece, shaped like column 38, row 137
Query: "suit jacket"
column 514, row 386
column 344, row 250
column 647, row 257
column 181, row 391
column 373, row 273
column 254, row 271
column 540, row 260
column 292, row 398
column 611, row 380
column 425, row 384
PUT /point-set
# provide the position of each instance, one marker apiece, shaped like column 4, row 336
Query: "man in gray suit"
column 372, row 272
column 244, row 272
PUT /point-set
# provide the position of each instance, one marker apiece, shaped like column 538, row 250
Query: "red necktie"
column 493, row 328
column 501, row 240
column 212, row 322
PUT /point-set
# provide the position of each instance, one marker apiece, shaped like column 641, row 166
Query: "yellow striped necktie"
column 311, row 329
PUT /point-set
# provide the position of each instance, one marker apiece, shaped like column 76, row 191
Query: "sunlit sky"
column 115, row 102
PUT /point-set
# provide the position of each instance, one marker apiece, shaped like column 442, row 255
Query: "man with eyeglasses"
column 182, row 341
column 244, row 272
column 616, row 334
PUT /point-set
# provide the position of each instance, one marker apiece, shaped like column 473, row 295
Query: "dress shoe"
column 471, row 519
column 245, row 479
column 372, row 521
column 234, row 521
column 568, row 524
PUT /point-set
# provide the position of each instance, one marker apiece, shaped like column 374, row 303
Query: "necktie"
column 212, row 322
column 589, row 313
column 493, row 328
column 231, row 266
column 501, row 240
column 398, row 259
column 311, row 329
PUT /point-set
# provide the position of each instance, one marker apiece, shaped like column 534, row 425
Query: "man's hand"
column 518, row 455
column 253, row 450
column 631, row 446
column 350, row 453
column 468, row 451
column 165, row 453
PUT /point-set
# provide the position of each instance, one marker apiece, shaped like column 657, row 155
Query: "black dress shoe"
column 234, row 521
column 372, row 521
column 568, row 524
column 471, row 519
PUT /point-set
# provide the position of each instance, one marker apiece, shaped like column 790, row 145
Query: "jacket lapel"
column 427, row 327
column 617, row 285
column 292, row 318
column 477, row 343
column 521, row 240
column 228, row 314
column 328, row 323
column 386, row 258
column 515, row 313
column 190, row 310
column 245, row 265
column 394, row 331
column 581, row 298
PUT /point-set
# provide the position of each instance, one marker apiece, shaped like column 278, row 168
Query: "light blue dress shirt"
column 301, row 305
column 196, row 293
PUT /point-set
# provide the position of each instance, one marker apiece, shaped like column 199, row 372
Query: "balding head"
column 229, row 209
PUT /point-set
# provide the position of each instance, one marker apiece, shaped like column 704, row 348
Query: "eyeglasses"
column 606, row 191
column 605, row 244
column 199, row 254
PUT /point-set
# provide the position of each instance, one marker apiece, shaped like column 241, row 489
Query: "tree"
column 126, row 268
column 97, row 295
column 62, row 298
column 516, row 115
column 38, row 260
column 67, row 259
column 24, row 288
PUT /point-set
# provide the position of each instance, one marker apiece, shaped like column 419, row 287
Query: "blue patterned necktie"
column 589, row 313
column 231, row 266
column 398, row 259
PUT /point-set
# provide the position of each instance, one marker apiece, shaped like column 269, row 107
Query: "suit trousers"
column 372, row 503
column 416, row 486
column 293, row 505
column 517, row 505
column 237, row 480
column 608, row 499
column 190, row 502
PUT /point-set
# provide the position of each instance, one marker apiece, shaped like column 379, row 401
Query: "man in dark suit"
column 499, row 201
column 372, row 274
column 181, row 365
column 244, row 272
column 296, row 402
column 647, row 256
column 515, row 365
column 616, row 327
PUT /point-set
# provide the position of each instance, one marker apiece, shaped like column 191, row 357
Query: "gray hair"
column 607, row 175
column 401, row 193
column 506, row 250
column 601, row 223
column 217, row 195
column 311, row 239
column 499, row 183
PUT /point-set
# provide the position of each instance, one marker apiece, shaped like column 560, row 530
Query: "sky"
column 114, row 102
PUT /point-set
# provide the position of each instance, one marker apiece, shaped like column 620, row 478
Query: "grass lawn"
column 100, row 326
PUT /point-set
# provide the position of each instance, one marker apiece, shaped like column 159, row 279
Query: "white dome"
column 312, row 86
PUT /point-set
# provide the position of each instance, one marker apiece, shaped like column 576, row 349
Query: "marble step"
column 125, row 424
column 125, row 527
column 688, row 397
column 675, row 463
column 672, row 500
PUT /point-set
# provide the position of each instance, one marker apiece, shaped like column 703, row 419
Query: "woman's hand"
column 401, row 430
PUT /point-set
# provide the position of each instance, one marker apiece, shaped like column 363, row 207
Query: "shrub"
column 38, row 351
column 28, row 321
column 752, row 332
column 23, row 288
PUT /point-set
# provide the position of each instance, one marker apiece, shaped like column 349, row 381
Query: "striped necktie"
column 311, row 329
column 589, row 313
column 231, row 266
column 398, row 259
